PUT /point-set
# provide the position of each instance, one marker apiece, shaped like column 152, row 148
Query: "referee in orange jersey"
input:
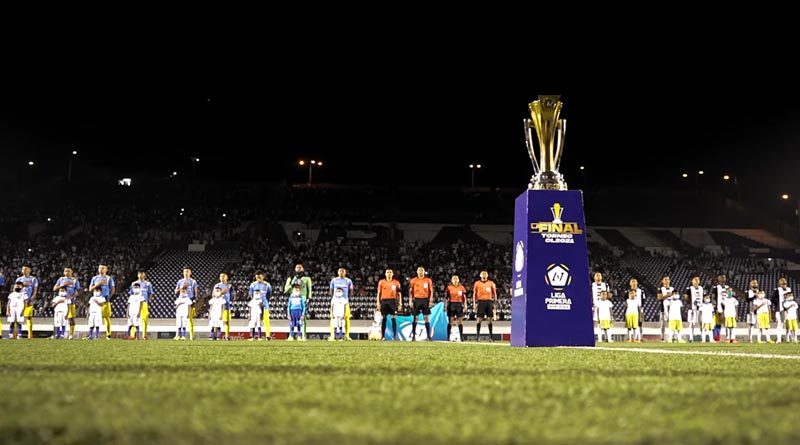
column 420, row 299
column 389, row 302
column 484, row 295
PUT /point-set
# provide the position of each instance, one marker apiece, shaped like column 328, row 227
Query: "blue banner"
column 438, row 320
column 551, row 301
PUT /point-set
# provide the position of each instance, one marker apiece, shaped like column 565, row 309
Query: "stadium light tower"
column 472, row 168
column 728, row 178
column 786, row 197
column 311, row 166
column 69, row 168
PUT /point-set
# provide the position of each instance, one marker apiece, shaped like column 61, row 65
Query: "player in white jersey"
column 665, row 294
column 255, row 305
column 634, row 287
column 729, row 305
column 338, row 310
column 135, row 300
column 14, row 310
column 604, row 315
column 60, row 303
column 707, row 312
column 777, row 303
column 790, row 311
column 720, row 292
column 375, row 330
column 761, row 306
column 675, row 317
column 598, row 286
column 632, row 311
column 752, row 294
column 694, row 296
column 95, row 320
column 183, row 305
column 215, row 308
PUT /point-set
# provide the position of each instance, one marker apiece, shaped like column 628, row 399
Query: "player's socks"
column 478, row 327
column 413, row 328
column 428, row 329
column 461, row 331
column 394, row 327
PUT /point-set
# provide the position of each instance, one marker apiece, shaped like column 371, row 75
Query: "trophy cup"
column 550, row 131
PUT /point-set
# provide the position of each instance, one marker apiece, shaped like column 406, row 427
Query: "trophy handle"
column 530, row 145
column 561, row 133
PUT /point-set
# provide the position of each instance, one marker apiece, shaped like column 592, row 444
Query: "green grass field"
column 380, row 393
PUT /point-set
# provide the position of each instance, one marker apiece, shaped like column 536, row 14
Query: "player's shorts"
column 692, row 316
column 751, row 318
column 632, row 321
column 214, row 322
column 254, row 323
column 763, row 321
column 145, row 311
column 708, row 326
column 676, row 325
column 72, row 311
column 388, row 307
column 134, row 321
column 59, row 319
column 106, row 310
column 455, row 309
column 181, row 322
column 730, row 322
column 791, row 325
column 420, row 305
column 15, row 316
column 485, row 308
column 605, row 324
column 28, row 311
column 95, row 320
column 226, row 315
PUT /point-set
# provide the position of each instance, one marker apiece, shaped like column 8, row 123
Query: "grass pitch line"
column 672, row 351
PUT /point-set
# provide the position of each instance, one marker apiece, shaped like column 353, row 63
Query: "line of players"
column 706, row 310
column 298, row 287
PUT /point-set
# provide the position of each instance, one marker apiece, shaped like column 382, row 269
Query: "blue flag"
column 438, row 320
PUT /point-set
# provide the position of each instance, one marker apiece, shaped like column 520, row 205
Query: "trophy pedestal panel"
column 551, row 295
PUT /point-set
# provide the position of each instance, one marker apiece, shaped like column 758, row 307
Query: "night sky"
column 411, row 118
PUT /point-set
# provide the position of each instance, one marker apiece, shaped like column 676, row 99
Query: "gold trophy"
column 550, row 131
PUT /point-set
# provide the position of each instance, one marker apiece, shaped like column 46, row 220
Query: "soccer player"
column 262, row 291
column 96, row 304
column 105, row 284
column 729, row 311
column 69, row 287
column 761, row 306
column 598, row 285
column 59, row 316
column 752, row 294
column 389, row 301
column 224, row 289
column 338, row 304
column 295, row 308
column 188, row 284
column 456, row 300
column 664, row 295
column 694, row 296
column 346, row 285
column 604, row 315
column 420, row 298
column 674, row 306
column 484, row 295
column 305, row 288
column 30, row 286
column 14, row 310
column 146, row 292
column 632, row 316
column 255, row 316
column 215, row 309
column 777, row 302
column 790, row 309
column 634, row 287
column 135, row 300
column 720, row 292
column 183, row 305
column 706, row 319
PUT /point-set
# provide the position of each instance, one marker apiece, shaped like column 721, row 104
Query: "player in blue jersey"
column 346, row 286
column 146, row 291
column 262, row 289
column 103, row 283
column 188, row 284
column 69, row 288
column 224, row 288
column 296, row 309
column 30, row 287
